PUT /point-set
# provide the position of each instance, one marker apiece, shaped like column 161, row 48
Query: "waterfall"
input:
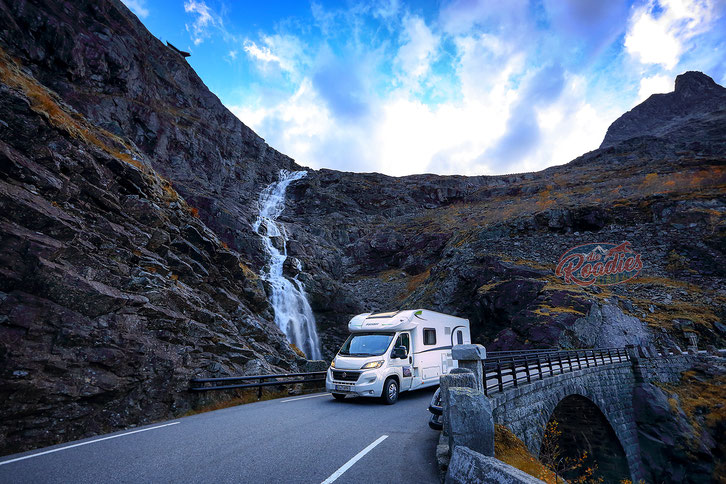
column 293, row 314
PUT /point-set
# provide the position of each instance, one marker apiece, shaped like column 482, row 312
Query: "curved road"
column 306, row 439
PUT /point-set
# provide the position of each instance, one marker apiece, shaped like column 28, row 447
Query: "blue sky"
column 450, row 86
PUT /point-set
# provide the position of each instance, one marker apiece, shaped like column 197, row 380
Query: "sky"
column 449, row 86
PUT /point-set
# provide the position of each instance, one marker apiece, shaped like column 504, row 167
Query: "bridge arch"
column 606, row 394
column 581, row 427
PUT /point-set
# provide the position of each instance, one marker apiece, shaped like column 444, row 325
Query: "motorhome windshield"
column 366, row 344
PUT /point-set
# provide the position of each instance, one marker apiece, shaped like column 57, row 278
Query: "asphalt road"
column 307, row 439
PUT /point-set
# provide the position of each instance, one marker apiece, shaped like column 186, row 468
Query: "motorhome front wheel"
column 390, row 392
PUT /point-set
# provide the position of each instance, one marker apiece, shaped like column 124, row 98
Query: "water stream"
column 292, row 310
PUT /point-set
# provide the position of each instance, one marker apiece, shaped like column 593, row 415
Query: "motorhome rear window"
column 429, row 335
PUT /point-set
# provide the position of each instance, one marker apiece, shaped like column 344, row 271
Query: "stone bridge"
column 592, row 406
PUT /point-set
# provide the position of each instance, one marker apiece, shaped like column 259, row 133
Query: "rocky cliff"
column 113, row 290
column 486, row 247
column 129, row 263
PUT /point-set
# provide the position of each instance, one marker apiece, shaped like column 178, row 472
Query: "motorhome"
column 393, row 352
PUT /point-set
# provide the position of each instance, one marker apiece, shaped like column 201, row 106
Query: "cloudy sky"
column 449, row 86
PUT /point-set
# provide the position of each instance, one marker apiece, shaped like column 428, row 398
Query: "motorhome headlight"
column 372, row 365
column 332, row 364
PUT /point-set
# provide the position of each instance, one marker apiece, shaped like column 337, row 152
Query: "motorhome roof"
column 391, row 321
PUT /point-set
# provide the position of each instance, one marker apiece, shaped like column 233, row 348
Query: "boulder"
column 469, row 467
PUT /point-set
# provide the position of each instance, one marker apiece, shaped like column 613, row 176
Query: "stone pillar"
column 635, row 363
column 643, row 352
column 459, row 377
column 470, row 420
column 632, row 352
column 471, row 357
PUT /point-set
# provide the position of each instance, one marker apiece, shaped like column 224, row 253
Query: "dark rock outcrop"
column 102, row 61
column 113, row 295
column 680, row 426
column 696, row 96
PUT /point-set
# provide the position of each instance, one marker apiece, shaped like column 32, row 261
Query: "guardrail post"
column 472, row 357
column 499, row 376
column 539, row 366
column 549, row 364
column 259, row 390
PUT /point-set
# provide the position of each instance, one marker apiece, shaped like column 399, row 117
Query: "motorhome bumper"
column 368, row 384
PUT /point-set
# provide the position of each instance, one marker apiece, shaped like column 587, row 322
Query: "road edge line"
column 335, row 475
column 303, row 398
column 85, row 443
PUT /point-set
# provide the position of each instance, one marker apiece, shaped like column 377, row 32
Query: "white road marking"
column 355, row 459
column 303, row 398
column 85, row 443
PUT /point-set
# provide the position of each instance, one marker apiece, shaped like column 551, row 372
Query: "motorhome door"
column 404, row 339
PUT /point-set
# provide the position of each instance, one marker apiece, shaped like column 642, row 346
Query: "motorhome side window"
column 403, row 341
column 429, row 336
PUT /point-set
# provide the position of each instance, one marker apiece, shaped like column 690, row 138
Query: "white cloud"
column 655, row 84
column 205, row 19
column 418, row 49
column 138, row 7
column 460, row 16
column 405, row 136
column 386, row 9
column 659, row 32
column 260, row 53
column 474, row 92
column 286, row 51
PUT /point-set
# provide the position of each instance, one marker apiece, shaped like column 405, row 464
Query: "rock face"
column 124, row 182
column 101, row 61
column 681, row 429
column 488, row 252
column 696, row 98
column 113, row 294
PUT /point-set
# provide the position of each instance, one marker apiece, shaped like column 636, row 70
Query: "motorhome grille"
column 345, row 375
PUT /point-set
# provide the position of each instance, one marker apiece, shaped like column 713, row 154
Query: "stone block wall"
column 665, row 369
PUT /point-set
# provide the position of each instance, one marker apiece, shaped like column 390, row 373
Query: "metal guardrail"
column 258, row 381
column 515, row 367
column 521, row 366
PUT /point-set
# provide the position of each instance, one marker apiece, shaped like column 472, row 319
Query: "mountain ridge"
column 694, row 94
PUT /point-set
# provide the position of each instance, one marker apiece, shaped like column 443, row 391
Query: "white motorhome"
column 389, row 353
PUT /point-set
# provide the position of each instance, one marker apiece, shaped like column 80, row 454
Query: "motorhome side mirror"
column 399, row 352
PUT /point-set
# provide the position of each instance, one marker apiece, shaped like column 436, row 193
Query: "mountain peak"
column 696, row 96
column 694, row 82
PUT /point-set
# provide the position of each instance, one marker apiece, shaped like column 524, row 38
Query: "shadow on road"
column 410, row 395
